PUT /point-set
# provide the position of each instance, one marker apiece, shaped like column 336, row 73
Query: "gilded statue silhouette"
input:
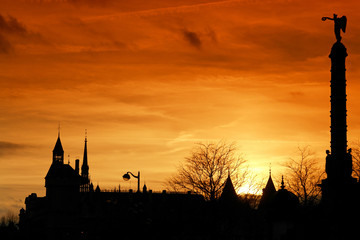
column 339, row 23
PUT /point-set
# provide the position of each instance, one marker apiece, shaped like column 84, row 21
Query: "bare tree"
column 303, row 176
column 9, row 219
column 206, row 170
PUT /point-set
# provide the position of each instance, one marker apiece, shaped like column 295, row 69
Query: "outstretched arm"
column 324, row 18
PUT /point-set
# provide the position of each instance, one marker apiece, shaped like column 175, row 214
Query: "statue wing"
column 343, row 21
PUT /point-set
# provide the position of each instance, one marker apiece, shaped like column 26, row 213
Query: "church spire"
column 85, row 168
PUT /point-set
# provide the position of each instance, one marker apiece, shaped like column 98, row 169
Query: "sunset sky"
column 148, row 79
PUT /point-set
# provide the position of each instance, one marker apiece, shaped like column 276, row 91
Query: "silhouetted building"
column 281, row 201
column 72, row 209
column 280, row 209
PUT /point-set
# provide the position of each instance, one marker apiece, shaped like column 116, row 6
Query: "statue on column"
column 339, row 23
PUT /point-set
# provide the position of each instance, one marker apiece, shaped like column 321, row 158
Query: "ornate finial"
column 339, row 23
column 85, row 135
column 59, row 130
column 270, row 170
column 282, row 182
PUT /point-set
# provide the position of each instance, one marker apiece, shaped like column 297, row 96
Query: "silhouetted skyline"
column 149, row 79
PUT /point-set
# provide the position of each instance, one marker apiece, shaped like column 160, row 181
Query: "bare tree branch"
column 303, row 176
column 206, row 170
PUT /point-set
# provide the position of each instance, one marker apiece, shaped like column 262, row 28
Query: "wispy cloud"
column 5, row 45
column 13, row 32
column 9, row 147
column 11, row 25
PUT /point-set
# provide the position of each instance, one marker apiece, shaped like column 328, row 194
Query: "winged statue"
column 339, row 24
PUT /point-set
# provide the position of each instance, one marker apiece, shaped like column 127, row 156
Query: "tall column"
column 338, row 164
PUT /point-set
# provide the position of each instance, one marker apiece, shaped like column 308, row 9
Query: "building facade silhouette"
column 72, row 209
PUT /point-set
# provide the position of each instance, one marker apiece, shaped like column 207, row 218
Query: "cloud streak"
column 7, row 148
column 5, row 45
column 11, row 25
column 13, row 33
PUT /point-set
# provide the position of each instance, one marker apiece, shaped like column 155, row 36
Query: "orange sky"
column 148, row 79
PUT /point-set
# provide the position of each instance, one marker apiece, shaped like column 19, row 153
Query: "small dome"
column 285, row 199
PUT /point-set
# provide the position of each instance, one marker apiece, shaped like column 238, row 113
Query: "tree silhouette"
column 207, row 168
column 303, row 176
column 9, row 226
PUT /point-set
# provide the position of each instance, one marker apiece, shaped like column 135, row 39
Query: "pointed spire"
column 85, row 167
column 85, row 158
column 228, row 192
column 97, row 189
column 270, row 187
column 58, row 151
column 282, row 182
column 268, row 192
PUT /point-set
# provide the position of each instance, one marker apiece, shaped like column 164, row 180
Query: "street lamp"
column 126, row 177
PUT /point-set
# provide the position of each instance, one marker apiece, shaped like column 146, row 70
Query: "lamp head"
column 126, row 177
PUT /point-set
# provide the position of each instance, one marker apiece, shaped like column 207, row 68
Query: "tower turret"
column 62, row 182
column 58, row 152
column 268, row 193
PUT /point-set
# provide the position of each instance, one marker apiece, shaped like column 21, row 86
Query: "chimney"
column 77, row 164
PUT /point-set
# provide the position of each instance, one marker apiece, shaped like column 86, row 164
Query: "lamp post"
column 126, row 177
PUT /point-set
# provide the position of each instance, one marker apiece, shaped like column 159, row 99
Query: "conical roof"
column 58, row 149
column 228, row 192
column 268, row 192
column 270, row 187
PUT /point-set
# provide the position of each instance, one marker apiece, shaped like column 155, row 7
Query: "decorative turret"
column 58, row 152
column 228, row 193
column 268, row 192
column 62, row 182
